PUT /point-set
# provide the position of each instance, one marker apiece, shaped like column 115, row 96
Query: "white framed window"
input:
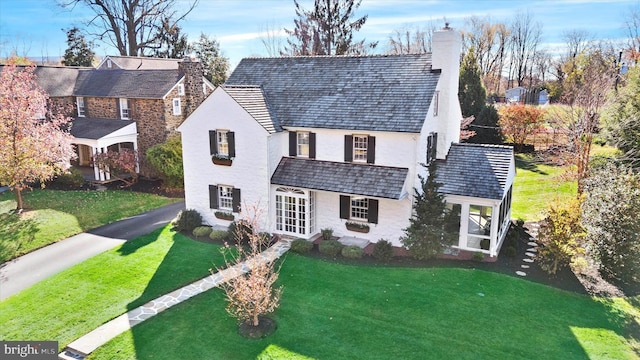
column 109, row 64
column 177, row 109
column 223, row 142
column 125, row 112
column 303, row 143
column 360, row 148
column 436, row 101
column 225, row 198
column 81, row 108
column 204, row 89
column 359, row 208
column 181, row 89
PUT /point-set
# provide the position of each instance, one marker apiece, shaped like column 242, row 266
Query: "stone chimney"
column 193, row 94
column 446, row 49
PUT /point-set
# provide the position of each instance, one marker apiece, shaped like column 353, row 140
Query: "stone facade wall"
column 194, row 95
column 65, row 105
column 104, row 108
column 152, row 129
column 173, row 121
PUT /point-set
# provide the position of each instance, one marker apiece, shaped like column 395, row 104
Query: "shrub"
column 519, row 223
column 330, row 247
column 265, row 238
column 560, row 236
column 187, row 220
column 383, row 250
column 301, row 246
column 510, row 251
column 166, row 158
column 241, row 236
column 218, row 235
column 352, row 252
column 202, row 231
column 327, row 234
column 73, row 179
column 477, row 256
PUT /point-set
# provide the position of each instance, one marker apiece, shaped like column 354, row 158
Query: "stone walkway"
column 82, row 347
column 531, row 252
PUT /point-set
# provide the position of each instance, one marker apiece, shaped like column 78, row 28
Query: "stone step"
column 521, row 273
column 71, row 354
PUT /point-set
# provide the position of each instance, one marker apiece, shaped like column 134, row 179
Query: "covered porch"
column 94, row 136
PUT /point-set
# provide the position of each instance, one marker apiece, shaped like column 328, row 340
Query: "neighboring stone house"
column 114, row 107
column 332, row 141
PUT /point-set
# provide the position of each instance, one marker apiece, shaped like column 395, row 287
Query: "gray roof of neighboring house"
column 251, row 98
column 146, row 84
column 88, row 128
column 145, row 63
column 58, row 81
column 371, row 93
column 475, row 170
column 346, row 178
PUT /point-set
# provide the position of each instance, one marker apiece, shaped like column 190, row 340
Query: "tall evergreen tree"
column 473, row 96
column 171, row 43
column 215, row 65
column 79, row 51
column 327, row 30
column 427, row 234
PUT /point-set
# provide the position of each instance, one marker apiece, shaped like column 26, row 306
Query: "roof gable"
column 371, row 93
column 480, row 171
column 140, row 63
column 251, row 98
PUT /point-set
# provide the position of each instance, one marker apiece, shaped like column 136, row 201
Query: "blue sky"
column 34, row 27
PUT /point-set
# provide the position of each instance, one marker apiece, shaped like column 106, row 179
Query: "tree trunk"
column 256, row 321
column 19, row 202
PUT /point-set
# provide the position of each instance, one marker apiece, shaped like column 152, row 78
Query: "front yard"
column 328, row 310
column 54, row 215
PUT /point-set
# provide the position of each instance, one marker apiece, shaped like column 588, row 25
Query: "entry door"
column 292, row 217
column 84, row 155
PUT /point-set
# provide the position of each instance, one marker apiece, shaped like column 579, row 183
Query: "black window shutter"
column 213, row 142
column 348, row 148
column 434, row 146
column 371, row 150
column 312, row 145
column 213, row 196
column 236, row 200
column 429, row 145
column 231, row 139
column 372, row 213
column 345, row 206
column 293, row 143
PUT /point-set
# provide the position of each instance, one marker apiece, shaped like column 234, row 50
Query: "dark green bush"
column 352, row 252
column 187, row 220
column 330, row 247
column 218, row 235
column 202, row 231
column 510, row 252
column 383, row 250
column 477, row 256
column 327, row 234
column 166, row 158
column 301, row 246
column 73, row 179
column 520, row 223
column 240, row 236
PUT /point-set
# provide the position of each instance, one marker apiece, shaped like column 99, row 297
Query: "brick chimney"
column 446, row 49
column 192, row 72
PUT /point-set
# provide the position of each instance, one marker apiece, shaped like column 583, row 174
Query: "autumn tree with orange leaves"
column 35, row 144
column 518, row 122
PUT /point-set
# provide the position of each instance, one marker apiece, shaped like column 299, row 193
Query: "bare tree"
column 632, row 24
column 272, row 39
column 131, row 26
column 411, row 40
column 327, row 30
column 525, row 38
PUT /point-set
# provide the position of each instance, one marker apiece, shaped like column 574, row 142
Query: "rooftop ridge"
column 334, row 56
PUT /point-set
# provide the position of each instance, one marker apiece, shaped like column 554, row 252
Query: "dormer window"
column 181, row 89
column 81, row 108
column 109, row 64
column 125, row 112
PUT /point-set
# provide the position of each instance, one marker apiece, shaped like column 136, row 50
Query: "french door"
column 294, row 212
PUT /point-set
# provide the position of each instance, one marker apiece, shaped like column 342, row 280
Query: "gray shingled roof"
column 88, row 128
column 476, row 170
column 145, row 63
column 146, row 84
column 346, row 178
column 252, row 100
column 58, row 80
column 371, row 93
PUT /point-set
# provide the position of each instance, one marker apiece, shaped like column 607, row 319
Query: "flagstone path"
column 531, row 252
column 82, row 347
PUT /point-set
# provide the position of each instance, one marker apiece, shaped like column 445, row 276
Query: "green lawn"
column 334, row 311
column 55, row 215
column 79, row 299
column 536, row 186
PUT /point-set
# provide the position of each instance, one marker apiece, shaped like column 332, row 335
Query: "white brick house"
column 323, row 141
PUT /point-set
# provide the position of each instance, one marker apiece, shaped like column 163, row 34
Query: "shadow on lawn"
column 15, row 230
column 523, row 164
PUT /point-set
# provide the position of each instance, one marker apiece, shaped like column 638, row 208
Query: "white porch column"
column 135, row 149
column 495, row 228
column 96, row 170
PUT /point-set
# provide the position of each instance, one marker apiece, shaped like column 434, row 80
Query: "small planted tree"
column 122, row 165
column 426, row 236
column 252, row 296
column 518, row 122
column 561, row 236
column 166, row 158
